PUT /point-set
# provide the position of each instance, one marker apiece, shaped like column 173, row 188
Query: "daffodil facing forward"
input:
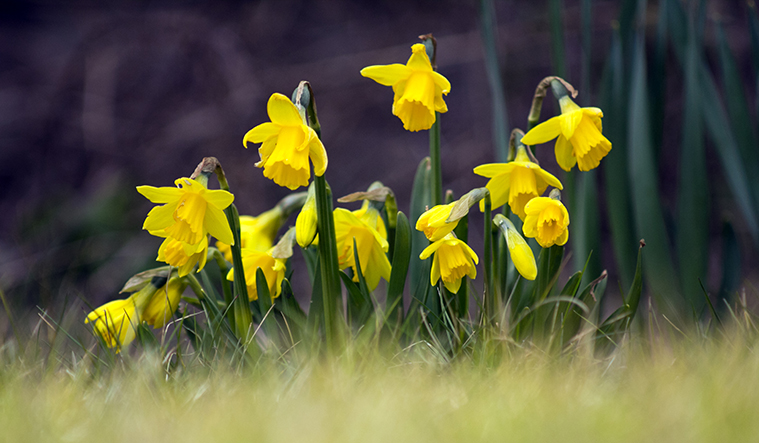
column 433, row 222
column 371, row 246
column 578, row 136
column 547, row 220
column 418, row 89
column 453, row 261
column 287, row 144
column 516, row 182
column 189, row 211
column 273, row 269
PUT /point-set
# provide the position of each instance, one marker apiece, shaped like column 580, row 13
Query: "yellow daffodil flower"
column 255, row 232
column 117, row 321
column 547, row 221
column 516, row 182
column 183, row 256
column 418, row 89
column 164, row 302
column 372, row 217
column 453, row 260
column 578, row 136
column 287, row 144
column 519, row 250
column 189, row 212
column 306, row 222
column 433, row 224
column 273, row 268
column 369, row 242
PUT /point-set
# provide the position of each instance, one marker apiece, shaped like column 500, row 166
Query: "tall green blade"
column 693, row 203
column 400, row 265
column 642, row 169
column 555, row 8
column 489, row 34
column 614, row 96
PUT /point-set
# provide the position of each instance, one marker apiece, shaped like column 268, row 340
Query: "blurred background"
column 97, row 98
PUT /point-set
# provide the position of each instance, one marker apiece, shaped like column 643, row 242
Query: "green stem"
column 437, row 174
column 488, row 293
column 240, row 304
column 331, row 293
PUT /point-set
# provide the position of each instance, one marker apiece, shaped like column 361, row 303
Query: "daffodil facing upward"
column 418, row 89
column 547, row 220
column 189, row 211
column 287, row 144
column 516, row 182
column 433, row 224
column 273, row 269
column 255, row 232
column 453, row 261
column 578, row 136
column 371, row 246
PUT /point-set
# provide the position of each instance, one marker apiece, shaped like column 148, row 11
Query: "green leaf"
column 489, row 34
column 642, row 167
column 268, row 321
column 693, row 193
column 614, row 96
column 401, row 259
column 558, row 62
column 297, row 320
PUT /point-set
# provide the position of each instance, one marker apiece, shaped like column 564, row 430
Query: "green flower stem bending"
column 331, row 293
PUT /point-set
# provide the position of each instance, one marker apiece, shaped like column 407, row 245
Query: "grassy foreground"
column 691, row 390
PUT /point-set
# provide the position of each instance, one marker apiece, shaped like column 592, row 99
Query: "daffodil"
column 433, row 224
column 369, row 242
column 189, row 211
column 306, row 222
column 519, row 250
column 287, row 144
column 547, row 221
column 183, row 256
column 453, row 261
column 516, row 182
column 117, row 321
column 578, row 136
column 418, row 89
column 273, row 269
column 255, row 232
column 164, row 302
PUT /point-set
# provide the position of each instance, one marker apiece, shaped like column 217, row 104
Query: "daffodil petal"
column 548, row 130
column 219, row 198
column 387, row 75
column 419, row 59
column 318, row 156
column 441, row 82
column 564, row 154
column 282, row 111
column 164, row 194
column 493, row 169
column 216, row 224
column 261, row 133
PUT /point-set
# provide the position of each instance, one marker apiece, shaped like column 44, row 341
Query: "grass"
column 683, row 389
